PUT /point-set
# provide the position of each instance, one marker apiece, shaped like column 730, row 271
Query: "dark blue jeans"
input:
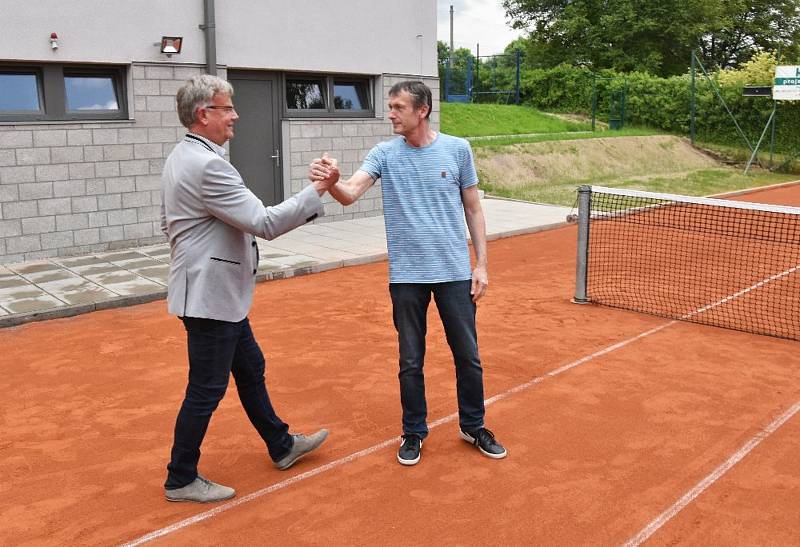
column 217, row 349
column 457, row 311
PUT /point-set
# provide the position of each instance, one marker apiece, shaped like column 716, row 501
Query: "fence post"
column 447, row 80
column 692, row 107
column 594, row 99
column 517, row 56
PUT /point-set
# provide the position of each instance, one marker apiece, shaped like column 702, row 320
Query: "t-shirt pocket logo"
column 448, row 179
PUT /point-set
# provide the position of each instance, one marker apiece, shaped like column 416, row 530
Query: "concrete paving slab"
column 134, row 287
column 120, row 255
column 296, row 261
column 114, row 277
column 48, row 276
column 33, row 267
column 29, row 290
column 159, row 274
column 136, row 263
column 65, row 286
column 43, row 301
column 71, row 284
column 90, row 295
column 11, row 282
column 96, row 269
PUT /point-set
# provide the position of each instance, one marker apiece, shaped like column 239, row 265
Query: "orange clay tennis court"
column 621, row 427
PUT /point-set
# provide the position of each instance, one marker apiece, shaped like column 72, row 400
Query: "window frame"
column 330, row 110
column 352, row 80
column 324, row 89
column 26, row 114
column 51, row 85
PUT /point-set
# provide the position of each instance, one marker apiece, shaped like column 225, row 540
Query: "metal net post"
column 582, row 262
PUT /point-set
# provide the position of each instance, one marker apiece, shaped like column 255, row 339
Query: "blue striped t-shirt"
column 422, row 207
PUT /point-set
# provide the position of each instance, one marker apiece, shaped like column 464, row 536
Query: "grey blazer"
column 210, row 218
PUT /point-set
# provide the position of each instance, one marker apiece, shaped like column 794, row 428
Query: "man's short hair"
column 420, row 93
column 197, row 92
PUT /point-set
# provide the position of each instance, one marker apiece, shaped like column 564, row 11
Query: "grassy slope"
column 550, row 172
column 475, row 120
column 480, row 120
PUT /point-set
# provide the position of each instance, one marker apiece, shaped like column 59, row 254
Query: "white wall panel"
column 359, row 36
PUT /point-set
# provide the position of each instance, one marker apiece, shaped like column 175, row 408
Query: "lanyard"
column 201, row 141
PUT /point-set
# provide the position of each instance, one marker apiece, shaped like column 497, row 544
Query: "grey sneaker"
column 302, row 445
column 201, row 490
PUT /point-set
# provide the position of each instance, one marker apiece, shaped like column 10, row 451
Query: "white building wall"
column 359, row 36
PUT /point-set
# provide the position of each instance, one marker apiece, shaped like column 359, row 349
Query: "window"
column 328, row 96
column 90, row 93
column 62, row 93
column 19, row 92
column 350, row 95
column 305, row 94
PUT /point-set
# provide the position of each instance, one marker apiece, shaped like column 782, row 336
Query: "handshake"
column 324, row 172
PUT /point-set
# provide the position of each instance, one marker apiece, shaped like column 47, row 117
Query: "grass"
column 479, row 120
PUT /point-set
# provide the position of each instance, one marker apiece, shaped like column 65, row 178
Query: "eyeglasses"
column 220, row 107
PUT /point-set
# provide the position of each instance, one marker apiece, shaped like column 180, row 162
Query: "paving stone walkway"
column 62, row 287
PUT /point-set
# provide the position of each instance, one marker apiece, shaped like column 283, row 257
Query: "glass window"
column 58, row 92
column 305, row 94
column 19, row 93
column 90, row 93
column 350, row 95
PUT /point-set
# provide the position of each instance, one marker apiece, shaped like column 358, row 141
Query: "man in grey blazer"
column 211, row 220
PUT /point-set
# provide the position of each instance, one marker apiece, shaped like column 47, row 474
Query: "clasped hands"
column 324, row 171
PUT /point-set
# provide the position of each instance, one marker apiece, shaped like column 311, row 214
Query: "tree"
column 743, row 28
column 655, row 37
column 457, row 78
column 460, row 55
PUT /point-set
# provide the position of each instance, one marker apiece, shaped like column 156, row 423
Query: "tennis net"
column 718, row 262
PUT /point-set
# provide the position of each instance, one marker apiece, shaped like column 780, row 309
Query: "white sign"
column 787, row 83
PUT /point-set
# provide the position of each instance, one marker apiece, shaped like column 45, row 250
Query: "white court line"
column 715, row 475
column 367, row 451
column 737, row 294
column 374, row 448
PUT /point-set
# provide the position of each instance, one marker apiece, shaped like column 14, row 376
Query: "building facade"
column 87, row 104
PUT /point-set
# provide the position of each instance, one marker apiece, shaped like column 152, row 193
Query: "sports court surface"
column 621, row 427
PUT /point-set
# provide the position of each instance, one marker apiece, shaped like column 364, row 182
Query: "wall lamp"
column 171, row 45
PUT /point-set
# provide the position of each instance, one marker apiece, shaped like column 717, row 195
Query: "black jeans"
column 217, row 349
column 457, row 311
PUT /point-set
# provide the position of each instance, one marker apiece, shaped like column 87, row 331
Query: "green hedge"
column 663, row 103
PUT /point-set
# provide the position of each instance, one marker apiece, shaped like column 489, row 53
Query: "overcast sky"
column 475, row 22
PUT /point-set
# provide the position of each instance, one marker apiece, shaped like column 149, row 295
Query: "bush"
column 664, row 103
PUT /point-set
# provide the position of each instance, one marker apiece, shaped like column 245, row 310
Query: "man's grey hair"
column 420, row 93
column 197, row 92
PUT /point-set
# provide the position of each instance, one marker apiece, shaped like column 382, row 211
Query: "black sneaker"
column 486, row 443
column 409, row 449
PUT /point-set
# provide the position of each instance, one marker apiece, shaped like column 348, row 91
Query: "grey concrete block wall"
column 348, row 140
column 72, row 188
column 75, row 188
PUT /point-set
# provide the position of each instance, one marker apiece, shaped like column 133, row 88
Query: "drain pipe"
column 209, row 26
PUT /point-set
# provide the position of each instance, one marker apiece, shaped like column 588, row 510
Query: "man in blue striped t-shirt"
column 429, row 185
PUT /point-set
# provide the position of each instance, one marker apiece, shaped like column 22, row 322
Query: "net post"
column 582, row 262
